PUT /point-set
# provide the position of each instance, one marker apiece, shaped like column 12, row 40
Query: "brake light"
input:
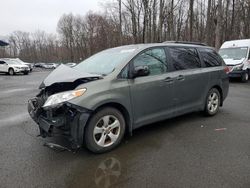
column 227, row 69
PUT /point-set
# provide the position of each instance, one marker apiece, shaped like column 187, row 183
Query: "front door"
column 151, row 95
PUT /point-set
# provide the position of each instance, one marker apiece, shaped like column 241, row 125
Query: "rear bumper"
column 66, row 120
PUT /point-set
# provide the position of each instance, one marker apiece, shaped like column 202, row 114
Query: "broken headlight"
column 64, row 96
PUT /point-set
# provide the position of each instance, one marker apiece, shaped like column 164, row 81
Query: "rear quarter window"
column 210, row 57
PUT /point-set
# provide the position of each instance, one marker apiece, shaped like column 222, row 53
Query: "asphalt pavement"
column 188, row 151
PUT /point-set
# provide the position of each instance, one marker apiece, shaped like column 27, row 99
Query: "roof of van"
column 236, row 43
column 143, row 46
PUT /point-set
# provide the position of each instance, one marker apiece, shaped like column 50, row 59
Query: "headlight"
column 239, row 67
column 64, row 96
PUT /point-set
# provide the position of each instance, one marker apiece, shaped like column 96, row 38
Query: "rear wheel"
column 212, row 102
column 105, row 130
column 11, row 71
column 245, row 77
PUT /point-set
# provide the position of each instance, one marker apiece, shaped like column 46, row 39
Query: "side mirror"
column 141, row 71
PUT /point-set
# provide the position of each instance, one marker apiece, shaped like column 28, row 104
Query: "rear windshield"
column 233, row 53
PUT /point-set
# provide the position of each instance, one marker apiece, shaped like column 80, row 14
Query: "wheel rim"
column 246, row 76
column 213, row 102
column 107, row 131
column 11, row 72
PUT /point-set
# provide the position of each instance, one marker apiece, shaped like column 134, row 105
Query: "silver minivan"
column 120, row 89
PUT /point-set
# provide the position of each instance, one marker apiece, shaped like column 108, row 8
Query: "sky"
column 33, row 15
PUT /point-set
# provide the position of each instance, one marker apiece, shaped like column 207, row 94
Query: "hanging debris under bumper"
column 65, row 119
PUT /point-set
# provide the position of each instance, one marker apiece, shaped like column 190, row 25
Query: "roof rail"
column 186, row 42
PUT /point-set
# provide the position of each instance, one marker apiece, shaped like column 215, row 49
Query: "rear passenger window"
column 184, row 58
column 210, row 57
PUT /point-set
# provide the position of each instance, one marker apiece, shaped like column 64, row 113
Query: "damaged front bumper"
column 66, row 120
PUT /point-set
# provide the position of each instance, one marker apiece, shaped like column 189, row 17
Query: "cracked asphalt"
column 188, row 151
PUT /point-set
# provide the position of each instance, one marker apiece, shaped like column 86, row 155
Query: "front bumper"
column 21, row 70
column 236, row 74
column 65, row 120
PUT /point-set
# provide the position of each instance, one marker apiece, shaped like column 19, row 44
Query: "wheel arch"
column 121, row 108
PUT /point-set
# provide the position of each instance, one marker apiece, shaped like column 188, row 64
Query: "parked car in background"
column 50, row 65
column 124, row 88
column 30, row 65
column 71, row 64
column 237, row 57
column 12, row 67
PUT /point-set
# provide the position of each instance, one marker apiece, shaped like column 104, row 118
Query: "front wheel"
column 212, row 102
column 105, row 130
column 11, row 72
column 245, row 77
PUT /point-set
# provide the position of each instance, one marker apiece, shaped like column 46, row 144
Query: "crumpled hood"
column 234, row 62
column 64, row 73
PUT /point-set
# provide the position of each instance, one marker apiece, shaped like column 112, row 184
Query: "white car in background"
column 236, row 54
column 50, row 65
column 71, row 64
column 31, row 66
column 12, row 67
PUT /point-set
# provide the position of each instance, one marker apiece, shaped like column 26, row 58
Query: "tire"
column 99, row 130
column 213, row 101
column 245, row 77
column 26, row 73
column 11, row 71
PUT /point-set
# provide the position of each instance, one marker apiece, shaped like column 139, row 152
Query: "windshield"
column 104, row 62
column 233, row 53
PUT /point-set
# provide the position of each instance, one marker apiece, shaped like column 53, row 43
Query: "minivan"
column 237, row 57
column 121, row 89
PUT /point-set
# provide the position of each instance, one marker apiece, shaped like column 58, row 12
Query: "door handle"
column 169, row 80
column 180, row 78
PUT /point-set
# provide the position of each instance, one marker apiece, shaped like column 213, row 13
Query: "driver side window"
column 154, row 59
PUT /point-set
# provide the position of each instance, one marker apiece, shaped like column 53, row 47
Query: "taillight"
column 227, row 69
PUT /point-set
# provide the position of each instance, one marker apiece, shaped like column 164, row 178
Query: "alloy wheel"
column 107, row 131
column 213, row 102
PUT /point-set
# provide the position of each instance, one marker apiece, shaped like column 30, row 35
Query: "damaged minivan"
column 120, row 89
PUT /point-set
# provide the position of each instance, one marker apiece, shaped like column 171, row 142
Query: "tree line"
column 134, row 21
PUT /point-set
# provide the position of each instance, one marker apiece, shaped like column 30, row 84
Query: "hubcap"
column 107, row 131
column 213, row 102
